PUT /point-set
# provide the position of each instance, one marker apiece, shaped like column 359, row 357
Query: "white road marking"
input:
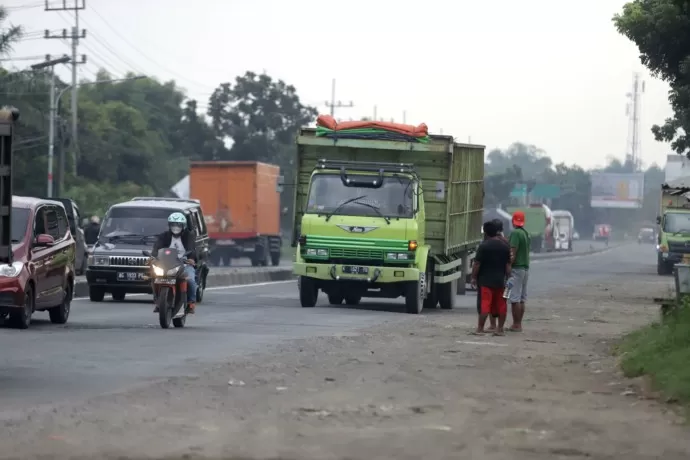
column 491, row 344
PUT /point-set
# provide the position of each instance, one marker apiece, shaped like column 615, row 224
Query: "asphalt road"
column 109, row 347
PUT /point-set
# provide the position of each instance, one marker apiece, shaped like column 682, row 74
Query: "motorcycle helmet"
column 177, row 222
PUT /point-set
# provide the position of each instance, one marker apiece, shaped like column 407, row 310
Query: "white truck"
column 563, row 229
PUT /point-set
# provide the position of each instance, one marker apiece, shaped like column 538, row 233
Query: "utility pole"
column 51, row 122
column 74, row 35
column 333, row 104
column 632, row 110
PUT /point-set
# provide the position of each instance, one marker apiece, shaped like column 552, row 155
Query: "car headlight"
column 11, row 270
column 158, row 271
column 101, row 260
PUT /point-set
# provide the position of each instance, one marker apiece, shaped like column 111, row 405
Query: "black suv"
column 117, row 265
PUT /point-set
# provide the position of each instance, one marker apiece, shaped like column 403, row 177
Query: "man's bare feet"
column 478, row 332
column 515, row 328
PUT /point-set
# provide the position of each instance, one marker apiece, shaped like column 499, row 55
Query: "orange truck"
column 241, row 205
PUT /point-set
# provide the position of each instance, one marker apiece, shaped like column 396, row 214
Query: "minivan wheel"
column 60, row 314
column 21, row 319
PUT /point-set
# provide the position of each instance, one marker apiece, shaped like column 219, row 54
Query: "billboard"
column 613, row 190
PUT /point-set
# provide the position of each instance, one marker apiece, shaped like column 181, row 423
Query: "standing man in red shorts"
column 489, row 273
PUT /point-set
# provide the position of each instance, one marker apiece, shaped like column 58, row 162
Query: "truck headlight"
column 322, row 252
column 11, row 270
column 311, row 252
column 101, row 260
column 397, row 256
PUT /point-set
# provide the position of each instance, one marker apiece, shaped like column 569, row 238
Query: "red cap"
column 518, row 218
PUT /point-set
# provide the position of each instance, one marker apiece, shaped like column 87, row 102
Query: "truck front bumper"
column 334, row 272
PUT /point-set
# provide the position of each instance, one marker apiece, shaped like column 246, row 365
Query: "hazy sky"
column 550, row 73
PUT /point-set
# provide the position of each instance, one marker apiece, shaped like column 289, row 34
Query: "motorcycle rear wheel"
column 164, row 307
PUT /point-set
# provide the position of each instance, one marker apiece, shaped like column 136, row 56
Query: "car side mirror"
column 44, row 241
column 658, row 220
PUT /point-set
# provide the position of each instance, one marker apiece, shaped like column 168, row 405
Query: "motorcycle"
column 170, row 287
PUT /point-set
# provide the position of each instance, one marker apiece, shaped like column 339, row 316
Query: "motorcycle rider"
column 179, row 238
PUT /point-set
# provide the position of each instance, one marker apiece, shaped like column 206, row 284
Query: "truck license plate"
column 164, row 281
column 130, row 276
column 355, row 270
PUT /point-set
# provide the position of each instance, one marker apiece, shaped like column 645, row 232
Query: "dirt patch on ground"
column 421, row 389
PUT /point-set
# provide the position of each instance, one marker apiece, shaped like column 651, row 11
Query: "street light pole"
column 51, row 124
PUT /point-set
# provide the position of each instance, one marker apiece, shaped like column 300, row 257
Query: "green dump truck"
column 674, row 225
column 385, row 219
column 537, row 224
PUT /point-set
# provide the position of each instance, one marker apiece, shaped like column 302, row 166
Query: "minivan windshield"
column 393, row 199
column 20, row 222
column 135, row 221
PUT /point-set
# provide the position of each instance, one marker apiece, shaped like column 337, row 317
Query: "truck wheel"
column 335, row 299
column 662, row 267
column 353, row 299
column 446, row 294
column 275, row 258
column 414, row 295
column 308, row 292
column 96, row 294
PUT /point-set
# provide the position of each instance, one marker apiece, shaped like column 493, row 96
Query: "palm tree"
column 8, row 35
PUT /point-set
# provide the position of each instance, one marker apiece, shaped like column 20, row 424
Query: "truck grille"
column 129, row 261
column 353, row 253
column 679, row 247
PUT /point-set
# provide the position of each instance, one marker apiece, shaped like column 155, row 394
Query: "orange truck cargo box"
column 238, row 198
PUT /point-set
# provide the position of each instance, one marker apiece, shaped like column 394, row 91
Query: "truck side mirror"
column 280, row 184
column 658, row 220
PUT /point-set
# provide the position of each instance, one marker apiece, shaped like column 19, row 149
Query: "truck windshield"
column 135, row 221
column 677, row 222
column 392, row 199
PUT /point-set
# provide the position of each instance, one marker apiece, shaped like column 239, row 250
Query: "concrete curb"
column 565, row 255
column 241, row 276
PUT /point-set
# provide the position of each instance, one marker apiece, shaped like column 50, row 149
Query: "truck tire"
column 431, row 300
column 662, row 267
column 353, row 299
column 308, row 292
column 275, row 258
column 414, row 295
column 335, row 299
column 446, row 294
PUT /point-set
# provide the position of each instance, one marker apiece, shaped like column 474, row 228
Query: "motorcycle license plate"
column 164, row 281
column 355, row 270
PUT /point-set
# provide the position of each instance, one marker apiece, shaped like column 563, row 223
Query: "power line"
column 336, row 105
column 74, row 36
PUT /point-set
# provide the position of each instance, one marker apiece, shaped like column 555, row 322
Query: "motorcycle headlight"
column 173, row 271
column 158, row 271
column 12, row 270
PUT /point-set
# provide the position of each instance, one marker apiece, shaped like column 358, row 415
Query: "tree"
column 660, row 28
column 531, row 160
column 8, row 35
column 261, row 116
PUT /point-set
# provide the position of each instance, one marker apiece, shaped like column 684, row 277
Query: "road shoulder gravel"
column 420, row 388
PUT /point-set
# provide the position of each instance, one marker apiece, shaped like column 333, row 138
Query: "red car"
column 41, row 275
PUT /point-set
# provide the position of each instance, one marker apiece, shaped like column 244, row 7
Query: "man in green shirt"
column 519, row 256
